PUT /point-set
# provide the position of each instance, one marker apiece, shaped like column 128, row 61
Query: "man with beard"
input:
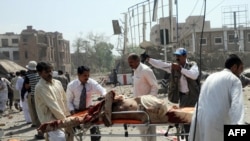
column 220, row 103
column 51, row 102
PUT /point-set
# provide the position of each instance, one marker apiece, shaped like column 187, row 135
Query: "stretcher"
column 107, row 113
column 80, row 134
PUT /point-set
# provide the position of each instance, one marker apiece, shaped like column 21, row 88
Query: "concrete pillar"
column 241, row 40
column 193, row 41
column 225, row 39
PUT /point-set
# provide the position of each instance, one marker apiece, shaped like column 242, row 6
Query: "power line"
column 194, row 23
column 215, row 7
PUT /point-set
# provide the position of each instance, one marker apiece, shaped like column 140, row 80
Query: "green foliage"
column 137, row 49
column 93, row 52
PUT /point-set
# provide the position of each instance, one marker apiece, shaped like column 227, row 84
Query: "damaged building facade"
column 36, row 45
column 44, row 46
column 213, row 48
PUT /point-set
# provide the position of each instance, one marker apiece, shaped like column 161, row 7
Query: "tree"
column 97, row 54
column 136, row 50
column 104, row 56
column 82, row 46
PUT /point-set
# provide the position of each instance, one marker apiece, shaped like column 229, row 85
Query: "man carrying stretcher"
column 102, row 112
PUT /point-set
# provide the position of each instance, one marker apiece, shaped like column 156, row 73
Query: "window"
column 6, row 53
column 231, row 38
column 248, row 37
column 218, row 40
column 5, row 43
column 203, row 41
column 26, row 54
column 15, row 55
column 14, row 41
column 162, row 36
column 42, row 53
column 187, row 43
column 25, row 39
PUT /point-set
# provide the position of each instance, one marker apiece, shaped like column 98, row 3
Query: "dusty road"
column 13, row 126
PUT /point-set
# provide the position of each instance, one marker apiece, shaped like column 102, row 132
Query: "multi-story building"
column 39, row 45
column 214, row 39
column 9, row 46
column 210, row 50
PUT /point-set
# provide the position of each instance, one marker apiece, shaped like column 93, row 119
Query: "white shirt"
column 220, row 103
column 144, row 81
column 74, row 90
column 19, row 83
column 192, row 73
column 3, row 89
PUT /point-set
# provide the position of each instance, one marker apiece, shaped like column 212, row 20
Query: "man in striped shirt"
column 30, row 82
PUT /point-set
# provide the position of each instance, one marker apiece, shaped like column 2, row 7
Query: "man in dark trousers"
column 79, row 93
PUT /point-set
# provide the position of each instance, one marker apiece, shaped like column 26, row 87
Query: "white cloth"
column 15, row 91
column 57, row 135
column 74, row 90
column 25, row 109
column 144, row 81
column 152, row 102
column 220, row 103
column 3, row 93
column 19, row 85
column 191, row 73
column 3, row 90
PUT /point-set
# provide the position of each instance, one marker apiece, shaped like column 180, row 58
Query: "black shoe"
column 16, row 106
column 32, row 125
column 39, row 137
column 95, row 131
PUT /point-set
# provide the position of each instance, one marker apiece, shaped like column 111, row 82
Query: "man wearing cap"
column 29, row 84
column 183, row 78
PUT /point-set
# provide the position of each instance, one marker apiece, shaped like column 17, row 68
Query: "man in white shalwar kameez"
column 145, row 83
column 3, row 93
column 220, row 103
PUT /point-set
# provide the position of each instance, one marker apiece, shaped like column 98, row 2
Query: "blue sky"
column 72, row 17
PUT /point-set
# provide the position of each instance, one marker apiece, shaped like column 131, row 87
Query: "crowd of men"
column 45, row 95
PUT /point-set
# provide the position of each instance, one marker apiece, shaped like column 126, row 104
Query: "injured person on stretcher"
column 157, row 112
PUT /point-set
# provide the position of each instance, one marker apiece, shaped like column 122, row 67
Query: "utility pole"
column 170, row 29
column 171, row 21
column 164, row 35
column 235, row 29
column 177, row 34
column 125, row 34
column 194, row 37
column 57, row 51
column 143, row 24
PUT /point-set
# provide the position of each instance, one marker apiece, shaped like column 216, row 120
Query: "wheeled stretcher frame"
column 80, row 134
